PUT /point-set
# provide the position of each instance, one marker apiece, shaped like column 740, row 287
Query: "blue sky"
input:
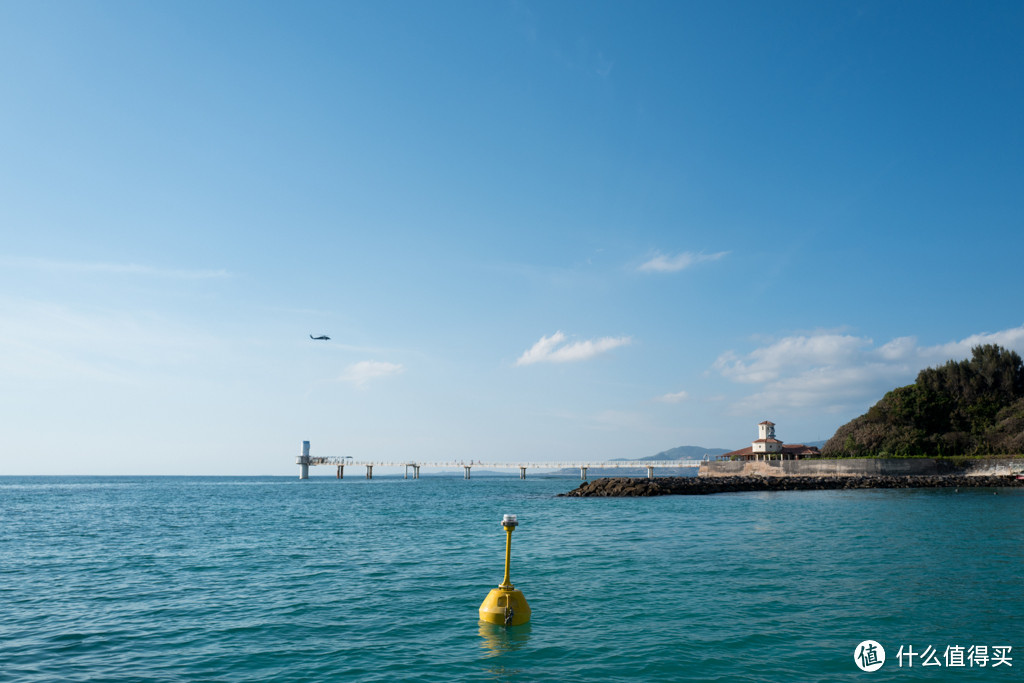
column 533, row 231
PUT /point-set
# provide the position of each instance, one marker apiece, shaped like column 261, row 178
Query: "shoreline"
column 625, row 487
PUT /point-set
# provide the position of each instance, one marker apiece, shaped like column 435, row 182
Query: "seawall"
column 697, row 486
column 862, row 467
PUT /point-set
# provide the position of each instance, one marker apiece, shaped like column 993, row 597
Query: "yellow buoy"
column 505, row 605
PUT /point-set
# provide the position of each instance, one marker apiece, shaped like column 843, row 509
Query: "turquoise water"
column 257, row 579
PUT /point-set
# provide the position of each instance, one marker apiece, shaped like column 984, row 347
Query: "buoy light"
column 505, row 605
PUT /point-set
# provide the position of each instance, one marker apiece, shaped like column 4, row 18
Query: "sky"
column 534, row 231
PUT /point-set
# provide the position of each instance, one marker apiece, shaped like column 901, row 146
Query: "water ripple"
column 254, row 579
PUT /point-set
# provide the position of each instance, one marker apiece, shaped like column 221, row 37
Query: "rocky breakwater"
column 622, row 487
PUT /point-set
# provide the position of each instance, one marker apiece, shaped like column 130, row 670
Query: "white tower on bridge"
column 303, row 461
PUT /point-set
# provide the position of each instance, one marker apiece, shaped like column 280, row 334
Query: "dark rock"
column 622, row 487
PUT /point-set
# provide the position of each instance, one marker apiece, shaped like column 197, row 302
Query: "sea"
column 277, row 579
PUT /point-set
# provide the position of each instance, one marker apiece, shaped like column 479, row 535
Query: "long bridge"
column 305, row 461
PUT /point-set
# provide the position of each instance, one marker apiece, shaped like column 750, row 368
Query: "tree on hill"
column 968, row 407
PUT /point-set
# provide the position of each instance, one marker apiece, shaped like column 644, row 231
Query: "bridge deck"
column 510, row 465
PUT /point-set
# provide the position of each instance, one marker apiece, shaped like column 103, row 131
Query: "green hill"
column 970, row 407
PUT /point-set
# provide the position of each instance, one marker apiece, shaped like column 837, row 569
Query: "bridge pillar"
column 583, row 473
column 467, row 468
column 303, row 461
column 369, row 471
column 416, row 472
column 341, row 471
column 522, row 472
column 650, row 472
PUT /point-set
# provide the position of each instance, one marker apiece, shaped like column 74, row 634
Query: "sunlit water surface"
column 257, row 579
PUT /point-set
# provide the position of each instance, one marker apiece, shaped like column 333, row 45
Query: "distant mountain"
column 682, row 453
column 687, row 453
column 697, row 452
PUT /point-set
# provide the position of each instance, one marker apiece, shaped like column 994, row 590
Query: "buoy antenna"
column 510, row 522
column 505, row 605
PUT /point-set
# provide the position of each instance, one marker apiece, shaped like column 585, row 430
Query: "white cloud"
column 835, row 372
column 111, row 268
column 604, row 66
column 1010, row 339
column 788, row 355
column 900, row 347
column 362, row 372
column 677, row 397
column 671, row 264
column 45, row 341
column 554, row 349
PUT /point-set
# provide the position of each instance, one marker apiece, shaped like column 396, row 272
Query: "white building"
column 767, row 447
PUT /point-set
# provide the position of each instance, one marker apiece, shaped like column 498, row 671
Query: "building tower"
column 766, row 441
